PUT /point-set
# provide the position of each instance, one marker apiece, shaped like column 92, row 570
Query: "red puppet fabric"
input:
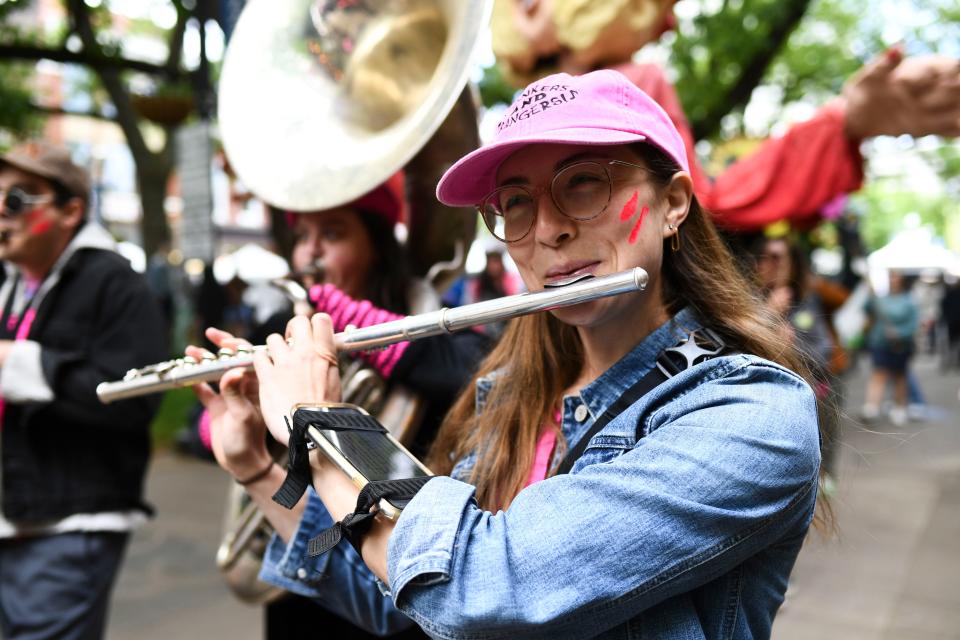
column 787, row 178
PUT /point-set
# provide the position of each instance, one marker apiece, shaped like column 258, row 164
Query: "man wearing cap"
column 74, row 314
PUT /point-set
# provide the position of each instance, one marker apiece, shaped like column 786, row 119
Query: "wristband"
column 259, row 475
column 356, row 525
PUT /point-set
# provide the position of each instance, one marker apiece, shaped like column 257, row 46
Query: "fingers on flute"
column 322, row 327
column 231, row 381
column 205, row 394
column 218, row 336
column 277, row 348
column 194, row 351
column 299, row 331
column 262, row 362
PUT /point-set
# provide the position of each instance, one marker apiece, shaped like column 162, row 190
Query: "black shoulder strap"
column 694, row 348
column 640, row 388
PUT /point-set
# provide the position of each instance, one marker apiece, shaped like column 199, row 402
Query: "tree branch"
column 753, row 70
column 60, row 111
column 126, row 116
column 86, row 57
column 176, row 38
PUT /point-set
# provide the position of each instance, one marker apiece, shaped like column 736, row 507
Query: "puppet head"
column 532, row 38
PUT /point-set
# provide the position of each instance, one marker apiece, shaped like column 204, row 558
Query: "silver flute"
column 184, row 372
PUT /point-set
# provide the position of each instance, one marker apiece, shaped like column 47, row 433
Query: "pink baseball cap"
column 388, row 200
column 598, row 108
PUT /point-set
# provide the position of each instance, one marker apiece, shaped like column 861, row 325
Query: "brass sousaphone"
column 320, row 101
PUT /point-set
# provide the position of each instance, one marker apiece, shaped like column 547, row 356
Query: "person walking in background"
column 892, row 322
column 74, row 314
column 950, row 321
column 786, row 284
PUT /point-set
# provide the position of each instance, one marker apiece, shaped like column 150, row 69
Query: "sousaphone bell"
column 320, row 101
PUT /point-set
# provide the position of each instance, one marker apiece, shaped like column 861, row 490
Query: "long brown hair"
column 538, row 357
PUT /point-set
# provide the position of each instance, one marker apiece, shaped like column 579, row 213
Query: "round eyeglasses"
column 580, row 191
column 16, row 201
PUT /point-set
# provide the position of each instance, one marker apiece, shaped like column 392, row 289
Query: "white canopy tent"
column 914, row 252
column 251, row 263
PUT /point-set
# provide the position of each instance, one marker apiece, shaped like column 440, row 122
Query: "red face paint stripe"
column 635, row 232
column 630, row 207
column 35, row 227
column 41, row 227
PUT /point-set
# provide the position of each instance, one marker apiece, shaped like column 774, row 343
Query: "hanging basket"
column 163, row 110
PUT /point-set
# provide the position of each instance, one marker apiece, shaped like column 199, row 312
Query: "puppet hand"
column 893, row 95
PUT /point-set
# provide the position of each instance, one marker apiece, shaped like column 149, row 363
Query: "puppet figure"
column 786, row 178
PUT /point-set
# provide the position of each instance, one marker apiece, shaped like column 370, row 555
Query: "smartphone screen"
column 374, row 455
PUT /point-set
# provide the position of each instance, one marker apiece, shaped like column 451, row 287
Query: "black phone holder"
column 354, row 525
column 298, row 464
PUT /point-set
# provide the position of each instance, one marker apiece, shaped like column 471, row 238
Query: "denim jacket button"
column 302, row 573
column 580, row 414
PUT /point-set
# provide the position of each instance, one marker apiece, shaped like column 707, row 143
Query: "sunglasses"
column 16, row 201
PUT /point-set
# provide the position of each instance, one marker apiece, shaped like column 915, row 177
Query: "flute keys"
column 224, row 352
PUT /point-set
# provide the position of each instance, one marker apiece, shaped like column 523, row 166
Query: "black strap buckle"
column 699, row 345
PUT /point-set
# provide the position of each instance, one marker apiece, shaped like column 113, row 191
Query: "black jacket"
column 63, row 452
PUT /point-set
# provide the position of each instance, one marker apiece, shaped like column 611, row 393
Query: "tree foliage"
column 91, row 38
column 722, row 52
column 887, row 202
column 17, row 115
column 721, row 44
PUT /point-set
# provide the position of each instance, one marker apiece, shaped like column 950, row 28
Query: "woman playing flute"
column 683, row 515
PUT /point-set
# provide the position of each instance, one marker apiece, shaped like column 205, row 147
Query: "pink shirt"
column 545, row 445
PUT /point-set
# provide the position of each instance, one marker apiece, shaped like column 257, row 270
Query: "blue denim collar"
column 604, row 391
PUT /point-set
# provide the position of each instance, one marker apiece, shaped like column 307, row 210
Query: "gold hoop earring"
column 675, row 240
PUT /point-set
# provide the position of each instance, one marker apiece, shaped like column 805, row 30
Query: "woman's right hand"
column 299, row 369
column 237, row 430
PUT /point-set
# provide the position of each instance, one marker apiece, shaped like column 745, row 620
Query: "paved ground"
column 893, row 572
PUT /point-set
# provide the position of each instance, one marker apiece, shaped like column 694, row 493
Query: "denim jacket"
column 690, row 532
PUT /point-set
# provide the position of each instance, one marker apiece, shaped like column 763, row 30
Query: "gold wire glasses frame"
column 580, row 191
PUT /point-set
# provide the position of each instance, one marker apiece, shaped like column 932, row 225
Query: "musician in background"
column 365, row 280
column 589, row 493
column 495, row 281
column 74, row 314
column 786, row 284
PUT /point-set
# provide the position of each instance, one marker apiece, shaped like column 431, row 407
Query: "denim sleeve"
column 338, row 580
column 726, row 469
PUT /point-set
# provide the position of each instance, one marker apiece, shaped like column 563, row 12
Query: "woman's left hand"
column 302, row 371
